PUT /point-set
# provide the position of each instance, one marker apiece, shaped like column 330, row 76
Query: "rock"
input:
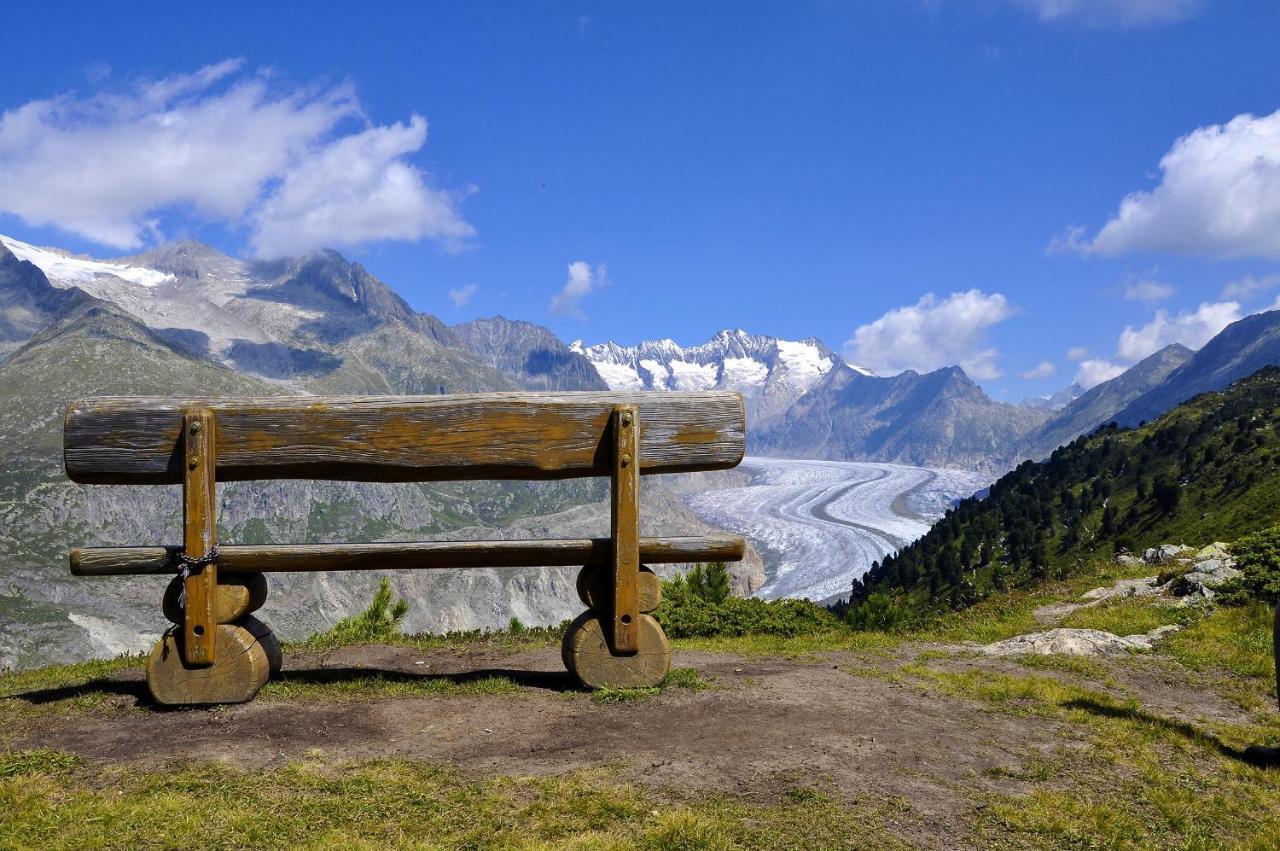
column 1216, row 550
column 1076, row 642
column 1204, row 579
column 1165, row 553
column 1124, row 588
column 1126, row 560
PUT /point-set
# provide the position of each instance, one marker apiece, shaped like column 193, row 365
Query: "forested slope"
column 1207, row 470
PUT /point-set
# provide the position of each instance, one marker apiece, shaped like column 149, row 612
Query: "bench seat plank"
column 137, row 440
column 425, row 555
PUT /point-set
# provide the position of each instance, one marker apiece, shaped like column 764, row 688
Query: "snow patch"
column 619, row 376
column 693, row 376
column 65, row 271
column 659, row 375
column 803, row 362
column 744, row 374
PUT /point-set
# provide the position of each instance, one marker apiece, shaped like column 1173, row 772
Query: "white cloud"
column 1219, row 195
column 932, row 333
column 1095, row 371
column 581, row 281
column 1111, row 12
column 461, row 295
column 1077, row 353
column 1043, row 369
column 1251, row 285
column 223, row 145
column 1147, row 289
column 1191, row 329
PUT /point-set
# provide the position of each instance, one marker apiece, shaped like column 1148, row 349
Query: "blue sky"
column 912, row 182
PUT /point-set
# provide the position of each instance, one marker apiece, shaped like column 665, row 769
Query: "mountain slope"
column 1103, row 402
column 1239, row 350
column 318, row 322
column 940, row 419
column 28, row 301
column 529, row 354
column 1208, row 470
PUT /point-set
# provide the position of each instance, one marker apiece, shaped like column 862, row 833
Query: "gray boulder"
column 1166, row 553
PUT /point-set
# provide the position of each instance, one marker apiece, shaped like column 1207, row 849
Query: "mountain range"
column 187, row 319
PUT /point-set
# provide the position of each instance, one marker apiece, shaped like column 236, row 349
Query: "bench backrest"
column 138, row 440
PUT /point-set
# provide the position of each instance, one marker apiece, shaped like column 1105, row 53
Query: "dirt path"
column 764, row 726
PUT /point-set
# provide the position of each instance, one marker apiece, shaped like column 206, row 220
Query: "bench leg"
column 246, row 655
column 586, row 649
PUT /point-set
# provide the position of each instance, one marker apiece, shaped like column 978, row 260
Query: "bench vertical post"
column 624, row 524
column 199, row 534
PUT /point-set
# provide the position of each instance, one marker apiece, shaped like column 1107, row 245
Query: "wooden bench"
column 217, row 652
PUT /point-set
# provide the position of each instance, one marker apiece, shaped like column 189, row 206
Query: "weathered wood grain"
column 624, row 528
column 199, row 534
column 239, row 594
column 585, row 652
column 136, row 440
column 267, row 641
column 242, row 667
column 425, row 555
column 595, row 589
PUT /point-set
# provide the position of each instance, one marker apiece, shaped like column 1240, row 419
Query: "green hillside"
column 1207, row 470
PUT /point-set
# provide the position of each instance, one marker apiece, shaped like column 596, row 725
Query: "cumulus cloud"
column 1251, row 285
column 582, row 280
column 1147, row 289
column 932, row 333
column 300, row 167
column 1044, row 369
column 1111, row 12
column 1094, row 371
column 461, row 295
column 1218, row 195
column 1077, row 353
column 1191, row 329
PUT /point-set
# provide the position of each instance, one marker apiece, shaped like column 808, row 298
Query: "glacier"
column 820, row 524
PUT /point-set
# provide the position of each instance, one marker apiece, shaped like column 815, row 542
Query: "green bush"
column 380, row 622
column 878, row 612
column 710, row 581
column 1258, row 557
column 686, row 613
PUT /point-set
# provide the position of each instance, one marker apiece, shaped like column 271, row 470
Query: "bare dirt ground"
column 763, row 726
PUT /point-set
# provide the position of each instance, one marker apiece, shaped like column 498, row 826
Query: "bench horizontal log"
column 138, row 440
column 427, row 555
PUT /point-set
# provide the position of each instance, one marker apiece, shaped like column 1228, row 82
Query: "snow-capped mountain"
column 317, row 323
column 770, row 373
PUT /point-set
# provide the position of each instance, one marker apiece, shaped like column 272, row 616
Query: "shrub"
column 878, row 612
column 685, row 613
column 710, row 581
column 1258, row 558
column 380, row 622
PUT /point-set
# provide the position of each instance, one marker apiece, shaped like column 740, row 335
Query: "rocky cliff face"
column 530, row 352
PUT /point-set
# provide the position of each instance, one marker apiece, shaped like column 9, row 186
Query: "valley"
column 819, row 524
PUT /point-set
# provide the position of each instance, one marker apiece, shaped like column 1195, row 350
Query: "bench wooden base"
column 243, row 665
column 247, row 652
column 586, row 650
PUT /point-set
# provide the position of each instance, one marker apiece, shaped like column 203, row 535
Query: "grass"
column 1130, row 615
column 685, row 678
column 403, row 804
column 374, row 686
